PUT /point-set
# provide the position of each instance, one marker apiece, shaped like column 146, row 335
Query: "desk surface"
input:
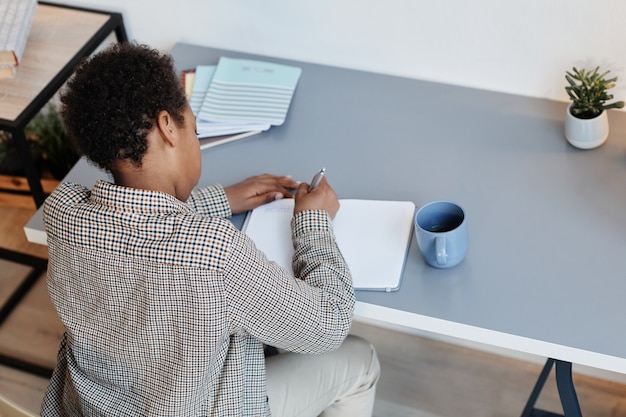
column 56, row 37
column 544, row 273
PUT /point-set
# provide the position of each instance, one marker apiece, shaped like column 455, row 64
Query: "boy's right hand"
column 321, row 198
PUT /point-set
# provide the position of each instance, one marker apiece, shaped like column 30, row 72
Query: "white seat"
column 10, row 409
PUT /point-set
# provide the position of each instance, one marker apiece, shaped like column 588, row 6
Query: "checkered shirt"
column 167, row 305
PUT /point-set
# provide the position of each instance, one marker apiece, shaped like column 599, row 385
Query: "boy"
column 167, row 306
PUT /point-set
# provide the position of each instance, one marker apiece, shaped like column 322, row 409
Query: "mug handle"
column 440, row 247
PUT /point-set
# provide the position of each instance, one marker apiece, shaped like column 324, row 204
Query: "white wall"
column 521, row 47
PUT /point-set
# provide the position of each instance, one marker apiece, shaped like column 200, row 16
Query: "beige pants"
column 339, row 383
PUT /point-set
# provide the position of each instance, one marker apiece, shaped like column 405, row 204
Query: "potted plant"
column 10, row 160
column 47, row 131
column 586, row 123
column 49, row 145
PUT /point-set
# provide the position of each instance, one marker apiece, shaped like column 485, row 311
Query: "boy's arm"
column 311, row 313
column 210, row 200
column 246, row 195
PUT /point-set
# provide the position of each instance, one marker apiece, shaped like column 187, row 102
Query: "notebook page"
column 373, row 237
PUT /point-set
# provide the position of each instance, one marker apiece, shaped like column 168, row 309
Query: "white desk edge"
column 377, row 314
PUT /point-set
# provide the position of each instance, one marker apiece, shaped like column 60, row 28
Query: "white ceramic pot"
column 586, row 133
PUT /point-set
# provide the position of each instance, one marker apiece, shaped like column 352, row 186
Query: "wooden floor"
column 421, row 377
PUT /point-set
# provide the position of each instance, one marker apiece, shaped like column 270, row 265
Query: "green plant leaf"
column 588, row 91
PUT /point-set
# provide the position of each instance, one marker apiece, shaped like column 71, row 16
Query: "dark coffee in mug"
column 444, row 223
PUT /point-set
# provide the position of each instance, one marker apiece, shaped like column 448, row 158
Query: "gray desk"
column 545, row 271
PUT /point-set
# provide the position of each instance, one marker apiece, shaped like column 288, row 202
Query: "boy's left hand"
column 255, row 191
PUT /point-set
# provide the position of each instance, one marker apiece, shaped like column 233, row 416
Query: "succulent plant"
column 588, row 91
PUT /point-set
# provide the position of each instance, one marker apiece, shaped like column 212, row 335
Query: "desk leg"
column 529, row 410
column 565, row 385
column 567, row 392
column 32, row 175
column 38, row 266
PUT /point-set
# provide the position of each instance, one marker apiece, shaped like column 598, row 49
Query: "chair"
column 10, row 409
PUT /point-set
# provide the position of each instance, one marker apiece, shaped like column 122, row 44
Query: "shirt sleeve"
column 311, row 313
column 211, row 201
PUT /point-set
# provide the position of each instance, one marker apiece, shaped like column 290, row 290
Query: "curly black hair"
column 112, row 101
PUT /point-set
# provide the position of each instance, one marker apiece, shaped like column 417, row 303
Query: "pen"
column 316, row 179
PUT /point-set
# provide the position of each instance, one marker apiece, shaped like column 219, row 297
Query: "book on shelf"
column 372, row 235
column 187, row 78
column 15, row 22
column 237, row 98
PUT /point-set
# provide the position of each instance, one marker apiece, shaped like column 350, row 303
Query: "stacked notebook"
column 238, row 98
column 16, row 18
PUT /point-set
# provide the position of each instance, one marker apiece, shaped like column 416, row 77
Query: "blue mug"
column 441, row 232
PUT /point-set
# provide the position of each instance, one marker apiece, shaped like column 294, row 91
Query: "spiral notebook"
column 372, row 235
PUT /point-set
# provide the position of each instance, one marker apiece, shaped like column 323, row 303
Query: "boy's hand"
column 321, row 198
column 255, row 191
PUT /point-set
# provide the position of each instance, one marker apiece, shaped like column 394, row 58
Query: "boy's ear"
column 167, row 127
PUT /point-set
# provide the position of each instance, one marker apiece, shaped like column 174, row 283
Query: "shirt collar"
column 134, row 199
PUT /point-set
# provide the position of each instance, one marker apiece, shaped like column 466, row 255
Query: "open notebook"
column 373, row 237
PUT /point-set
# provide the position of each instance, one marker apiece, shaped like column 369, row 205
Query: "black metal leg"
column 18, row 294
column 534, row 395
column 38, row 266
column 120, row 30
column 565, row 385
column 32, row 174
column 21, row 365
